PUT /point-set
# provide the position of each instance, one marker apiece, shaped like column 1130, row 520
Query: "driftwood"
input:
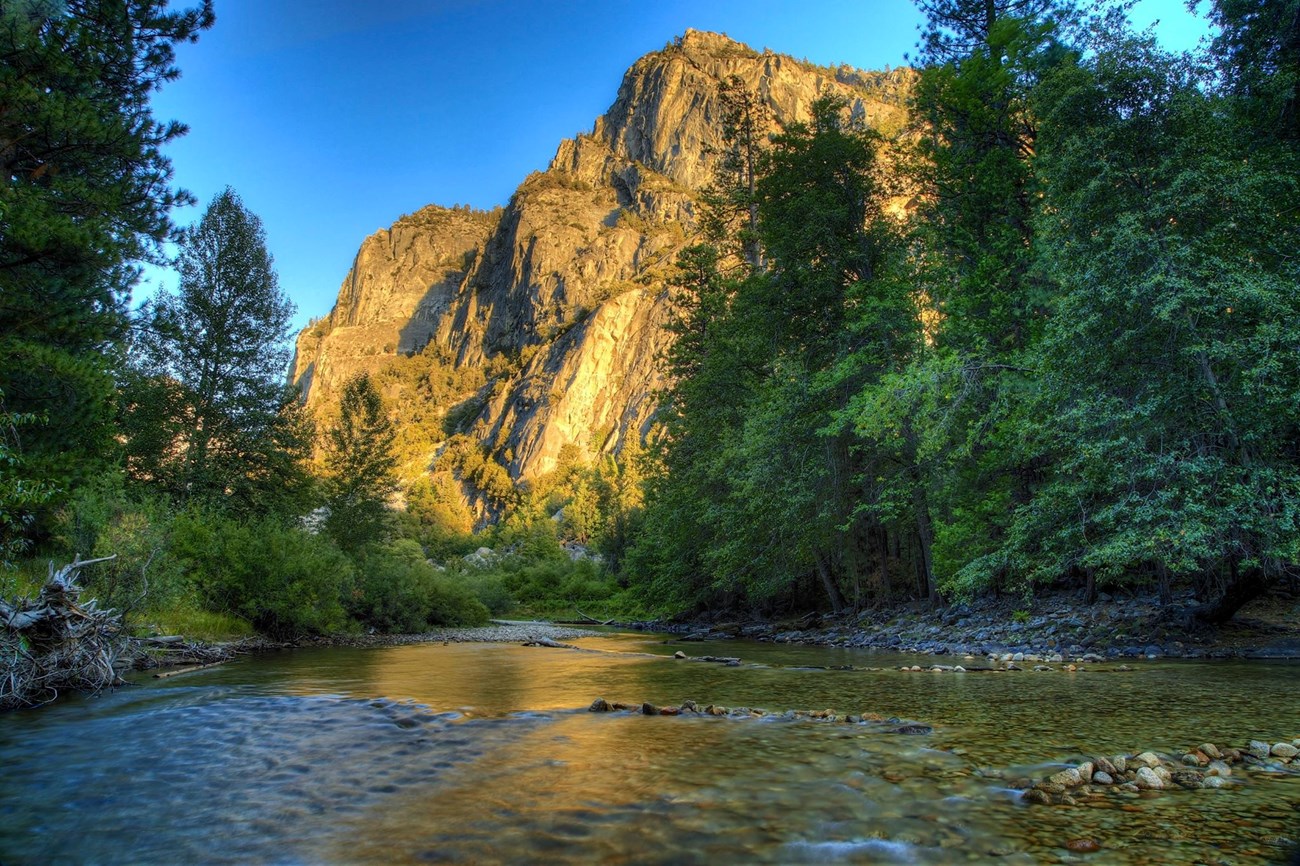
column 175, row 672
column 592, row 619
column 54, row 642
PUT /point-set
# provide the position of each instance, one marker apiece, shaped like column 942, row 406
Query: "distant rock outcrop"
column 559, row 299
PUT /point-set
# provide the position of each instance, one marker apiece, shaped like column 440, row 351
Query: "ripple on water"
column 217, row 780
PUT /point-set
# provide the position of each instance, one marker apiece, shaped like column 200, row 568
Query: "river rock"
column 1101, row 777
column 1085, row 770
column 1211, row 751
column 679, row 655
column 1286, row 751
column 1214, row 782
column 1189, row 779
column 1069, row 778
column 1192, row 759
column 1162, row 772
column 1105, row 766
column 1082, row 846
column 649, row 709
column 1218, row 768
column 1120, row 763
column 1034, row 795
column 1146, row 759
column 670, row 711
column 1148, row 780
column 600, row 705
column 1259, row 749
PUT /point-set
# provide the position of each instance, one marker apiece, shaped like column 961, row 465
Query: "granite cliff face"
column 553, row 309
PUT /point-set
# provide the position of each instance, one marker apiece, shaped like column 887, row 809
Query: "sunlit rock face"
column 561, row 297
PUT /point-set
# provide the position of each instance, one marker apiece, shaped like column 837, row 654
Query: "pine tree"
column 359, row 468
column 85, row 197
column 214, row 362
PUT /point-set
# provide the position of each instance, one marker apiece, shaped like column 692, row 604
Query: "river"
column 485, row 753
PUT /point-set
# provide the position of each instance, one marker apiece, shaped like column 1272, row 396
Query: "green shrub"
column 397, row 590
column 285, row 581
column 489, row 587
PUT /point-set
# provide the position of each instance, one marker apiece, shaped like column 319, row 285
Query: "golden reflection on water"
column 581, row 787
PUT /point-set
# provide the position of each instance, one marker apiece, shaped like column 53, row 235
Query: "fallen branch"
column 53, row 642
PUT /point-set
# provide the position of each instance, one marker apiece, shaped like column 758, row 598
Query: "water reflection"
column 480, row 753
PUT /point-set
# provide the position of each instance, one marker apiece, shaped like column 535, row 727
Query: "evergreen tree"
column 213, row 366
column 359, row 468
column 85, row 196
column 1167, row 403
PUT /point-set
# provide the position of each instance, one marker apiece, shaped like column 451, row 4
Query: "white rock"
column 1146, row 759
column 1284, row 750
column 1148, row 780
column 1102, row 778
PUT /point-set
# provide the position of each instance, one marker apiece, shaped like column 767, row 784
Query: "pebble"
column 1083, row 846
column 679, row 655
column 1211, row 751
column 1259, row 749
column 1101, row 777
column 1284, row 750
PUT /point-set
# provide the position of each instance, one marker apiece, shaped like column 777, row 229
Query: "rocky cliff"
column 545, row 320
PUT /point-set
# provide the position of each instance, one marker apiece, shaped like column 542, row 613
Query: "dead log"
column 54, row 642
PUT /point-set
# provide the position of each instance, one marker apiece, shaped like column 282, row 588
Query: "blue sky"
column 332, row 118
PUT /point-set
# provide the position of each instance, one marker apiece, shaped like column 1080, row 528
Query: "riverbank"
column 1115, row 627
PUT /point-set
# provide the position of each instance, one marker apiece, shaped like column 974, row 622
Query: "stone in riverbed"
column 1105, row 766
column 1034, row 795
column 1163, row 773
column 670, row 711
column 679, row 655
column 1211, row 751
column 1189, row 779
column 1101, row 777
column 1069, row 778
column 1146, row 759
column 1259, row 749
column 1085, row 770
column 600, row 705
column 1120, row 763
column 1148, row 780
column 1192, row 759
column 1218, row 768
column 1214, row 782
column 649, row 709
column 1083, row 846
column 1285, row 751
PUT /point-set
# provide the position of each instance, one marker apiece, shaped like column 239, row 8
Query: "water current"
column 481, row 753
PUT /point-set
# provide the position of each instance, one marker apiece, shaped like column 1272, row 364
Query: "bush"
column 285, row 581
column 105, row 521
column 397, row 590
column 490, row 589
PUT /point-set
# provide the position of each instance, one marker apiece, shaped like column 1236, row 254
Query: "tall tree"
column 215, row 360
column 1167, row 401
column 86, row 195
column 359, row 467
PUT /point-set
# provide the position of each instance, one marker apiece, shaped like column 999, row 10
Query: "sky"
column 333, row 118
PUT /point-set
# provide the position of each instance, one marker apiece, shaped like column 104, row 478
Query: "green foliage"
column 85, row 196
column 103, row 520
column 437, row 518
column 359, row 468
column 210, row 419
column 283, row 580
column 470, row 462
column 397, row 590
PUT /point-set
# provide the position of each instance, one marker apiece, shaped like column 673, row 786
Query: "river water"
column 483, row 753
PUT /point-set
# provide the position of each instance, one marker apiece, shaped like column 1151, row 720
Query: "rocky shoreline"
column 1057, row 626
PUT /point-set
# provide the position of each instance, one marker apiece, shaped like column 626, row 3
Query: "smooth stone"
column 600, row 705
column 1259, row 749
column 1284, row 750
column 679, row 655
column 1101, row 777
column 1104, row 765
column 1214, row 782
column 1163, row 773
column 1147, row 759
column 1120, row 763
column 1148, row 780
column 1191, row 760
column 1085, row 770
column 1218, row 768
column 1189, row 779
column 1069, row 778
column 1083, row 846
column 1034, row 795
column 1211, row 751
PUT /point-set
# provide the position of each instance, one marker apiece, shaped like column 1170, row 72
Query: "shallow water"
column 485, row 753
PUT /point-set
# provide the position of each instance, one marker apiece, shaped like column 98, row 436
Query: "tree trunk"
column 925, row 538
column 828, row 583
column 1090, row 592
column 1241, row 589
